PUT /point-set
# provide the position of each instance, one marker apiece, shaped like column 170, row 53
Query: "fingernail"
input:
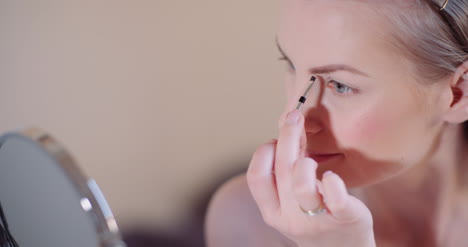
column 293, row 117
column 327, row 173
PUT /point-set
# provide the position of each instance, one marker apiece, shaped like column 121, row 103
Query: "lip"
column 320, row 158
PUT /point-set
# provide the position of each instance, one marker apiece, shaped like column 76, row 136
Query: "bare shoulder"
column 233, row 219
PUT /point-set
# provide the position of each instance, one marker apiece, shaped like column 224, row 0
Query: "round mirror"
column 45, row 200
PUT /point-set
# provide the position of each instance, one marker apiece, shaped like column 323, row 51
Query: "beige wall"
column 155, row 99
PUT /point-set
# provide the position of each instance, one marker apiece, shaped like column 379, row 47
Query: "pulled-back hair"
column 435, row 40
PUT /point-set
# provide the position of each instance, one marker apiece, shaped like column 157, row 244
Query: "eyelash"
column 353, row 90
column 348, row 91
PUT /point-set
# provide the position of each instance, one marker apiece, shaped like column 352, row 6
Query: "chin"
column 359, row 173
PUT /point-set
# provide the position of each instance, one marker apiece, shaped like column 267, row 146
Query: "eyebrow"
column 326, row 69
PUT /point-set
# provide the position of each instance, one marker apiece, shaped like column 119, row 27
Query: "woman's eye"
column 341, row 88
column 291, row 66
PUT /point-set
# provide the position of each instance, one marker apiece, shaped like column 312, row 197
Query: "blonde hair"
column 435, row 40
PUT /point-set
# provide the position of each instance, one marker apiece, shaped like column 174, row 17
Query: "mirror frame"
column 92, row 199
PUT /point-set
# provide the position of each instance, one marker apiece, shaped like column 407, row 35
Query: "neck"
column 418, row 202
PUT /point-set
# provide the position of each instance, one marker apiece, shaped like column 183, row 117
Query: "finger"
column 303, row 145
column 338, row 201
column 261, row 180
column 305, row 184
column 287, row 153
column 303, row 140
column 282, row 119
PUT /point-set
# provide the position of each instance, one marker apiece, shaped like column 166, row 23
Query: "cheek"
column 367, row 128
column 363, row 130
column 372, row 133
column 384, row 132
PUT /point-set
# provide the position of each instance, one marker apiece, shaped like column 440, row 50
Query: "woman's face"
column 375, row 114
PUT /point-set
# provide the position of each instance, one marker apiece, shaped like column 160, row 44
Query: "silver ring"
column 319, row 210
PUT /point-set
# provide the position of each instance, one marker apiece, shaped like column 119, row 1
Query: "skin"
column 389, row 104
column 397, row 138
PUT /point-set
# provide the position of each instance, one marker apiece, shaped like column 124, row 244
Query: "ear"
column 458, row 112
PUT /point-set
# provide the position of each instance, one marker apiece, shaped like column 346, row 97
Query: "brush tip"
column 313, row 78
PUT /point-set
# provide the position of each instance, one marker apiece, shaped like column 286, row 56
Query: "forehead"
column 333, row 31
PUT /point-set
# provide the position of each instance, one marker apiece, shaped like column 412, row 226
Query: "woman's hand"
column 281, row 181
